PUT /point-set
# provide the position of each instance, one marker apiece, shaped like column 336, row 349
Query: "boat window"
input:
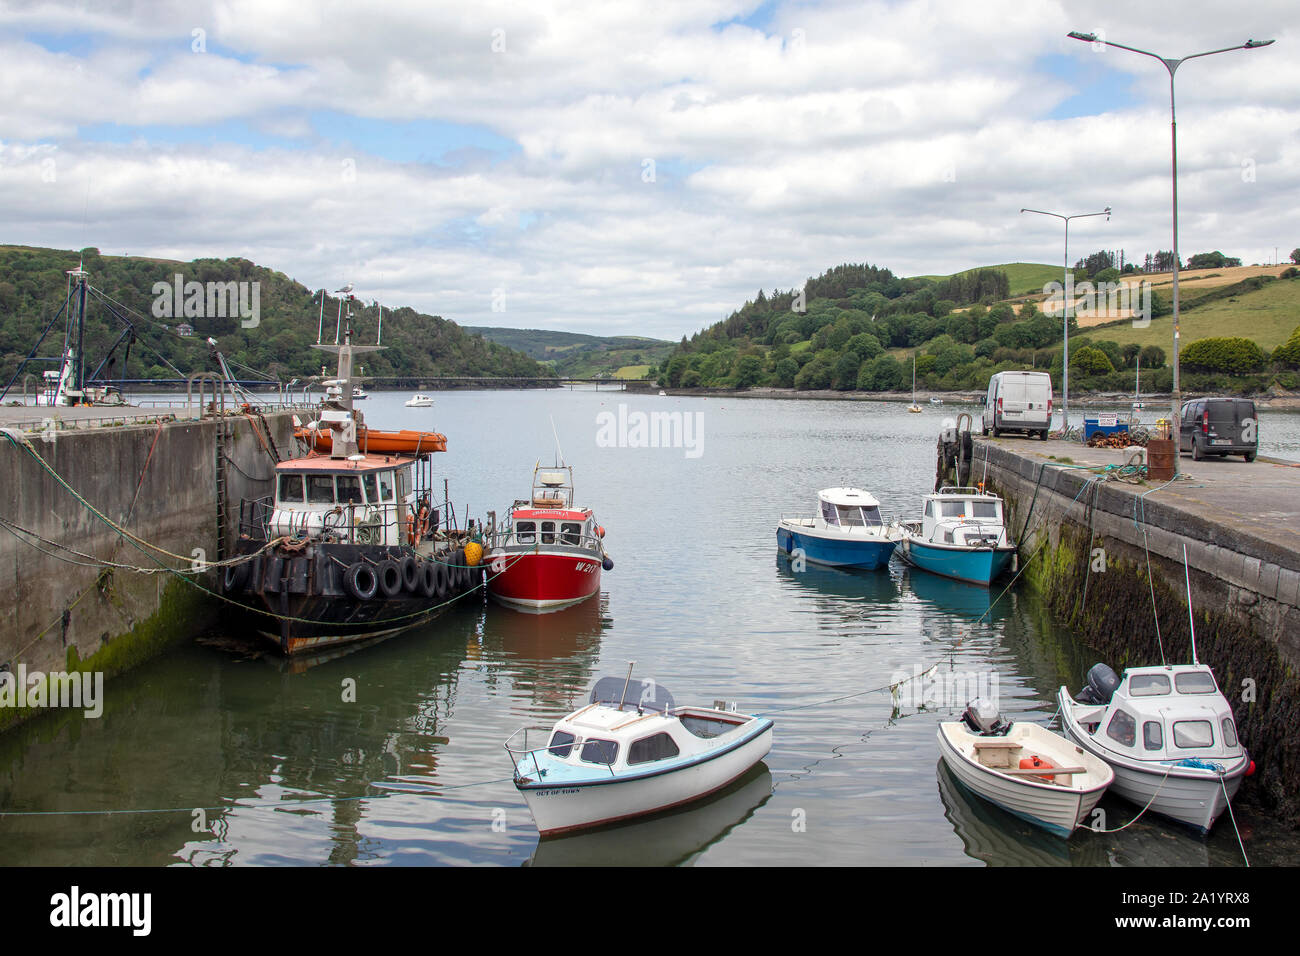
column 349, row 489
column 525, row 532
column 952, row 509
column 368, row 483
column 828, row 513
column 290, row 489
column 561, row 744
column 572, row 532
column 1195, row 682
column 386, row 486
column 929, row 509
column 548, row 532
column 658, row 747
column 599, row 751
column 1153, row 735
column 872, row 516
column 1122, row 728
column 1148, row 685
column 984, row 509
column 850, row 516
column 1191, row 734
column 1229, row 732
column 320, row 489
column 947, row 536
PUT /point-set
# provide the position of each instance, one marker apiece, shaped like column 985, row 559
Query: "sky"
column 638, row 168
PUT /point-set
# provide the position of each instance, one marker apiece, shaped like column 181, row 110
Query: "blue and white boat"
column 631, row 752
column 960, row 535
column 847, row 532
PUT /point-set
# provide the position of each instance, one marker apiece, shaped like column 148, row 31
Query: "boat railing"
column 963, row 490
column 522, row 750
column 255, row 517
column 506, row 536
column 804, row 519
column 381, row 523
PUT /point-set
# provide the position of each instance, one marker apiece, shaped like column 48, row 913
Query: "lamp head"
column 1251, row 44
column 1076, row 35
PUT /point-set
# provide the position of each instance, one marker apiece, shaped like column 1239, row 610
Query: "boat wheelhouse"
column 1169, row 734
column 848, row 531
column 630, row 752
column 550, row 553
column 961, row 535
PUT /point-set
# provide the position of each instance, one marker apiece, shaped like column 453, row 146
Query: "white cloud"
column 907, row 134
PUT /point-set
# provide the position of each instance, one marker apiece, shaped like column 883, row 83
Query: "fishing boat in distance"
column 1023, row 768
column 1168, row 733
column 549, row 554
column 960, row 535
column 359, row 393
column 847, row 531
column 631, row 752
column 420, row 400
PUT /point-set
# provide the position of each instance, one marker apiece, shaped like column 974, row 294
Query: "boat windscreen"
column 646, row 694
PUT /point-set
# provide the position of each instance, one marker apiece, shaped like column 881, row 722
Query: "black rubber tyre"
column 235, row 577
column 459, row 573
column 360, row 581
column 1197, row 454
column 1250, row 456
column 389, row 573
column 410, row 574
column 428, row 579
column 442, row 581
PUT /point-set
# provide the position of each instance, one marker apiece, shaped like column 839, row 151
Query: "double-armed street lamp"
column 1066, row 296
column 1171, row 65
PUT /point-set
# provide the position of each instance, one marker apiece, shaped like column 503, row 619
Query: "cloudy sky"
column 637, row 167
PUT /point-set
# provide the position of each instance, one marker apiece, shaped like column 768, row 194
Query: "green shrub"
column 1235, row 356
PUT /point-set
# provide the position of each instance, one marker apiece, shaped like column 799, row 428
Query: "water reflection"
column 670, row 839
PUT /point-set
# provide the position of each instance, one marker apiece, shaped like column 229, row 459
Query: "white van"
column 1018, row 402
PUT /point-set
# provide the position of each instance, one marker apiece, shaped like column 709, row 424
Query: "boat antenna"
column 623, row 700
column 1191, row 619
column 558, row 451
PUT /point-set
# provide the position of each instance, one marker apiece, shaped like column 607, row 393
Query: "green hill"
column 580, row 355
column 1024, row 277
column 33, row 285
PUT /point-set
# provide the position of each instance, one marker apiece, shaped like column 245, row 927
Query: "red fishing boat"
column 549, row 554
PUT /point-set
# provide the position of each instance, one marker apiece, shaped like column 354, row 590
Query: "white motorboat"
column 1023, row 768
column 630, row 752
column 420, row 400
column 960, row 535
column 847, row 531
column 1169, row 735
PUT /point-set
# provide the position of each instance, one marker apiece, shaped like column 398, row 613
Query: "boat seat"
column 996, row 754
column 1045, row 771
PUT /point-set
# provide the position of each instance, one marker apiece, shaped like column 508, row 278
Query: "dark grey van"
column 1219, row 426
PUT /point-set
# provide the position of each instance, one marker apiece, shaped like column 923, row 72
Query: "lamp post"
column 1172, row 65
column 1066, row 290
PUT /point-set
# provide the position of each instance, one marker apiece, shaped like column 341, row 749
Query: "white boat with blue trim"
column 960, row 535
column 848, row 531
column 1168, row 733
column 1023, row 768
column 631, row 752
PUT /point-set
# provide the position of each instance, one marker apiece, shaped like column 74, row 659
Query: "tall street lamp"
column 1172, row 65
column 1066, row 290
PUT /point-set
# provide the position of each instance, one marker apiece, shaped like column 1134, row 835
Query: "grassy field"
column 1267, row 315
column 1025, row 277
column 632, row 371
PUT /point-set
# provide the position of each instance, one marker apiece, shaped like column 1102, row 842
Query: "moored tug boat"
column 356, row 549
column 549, row 554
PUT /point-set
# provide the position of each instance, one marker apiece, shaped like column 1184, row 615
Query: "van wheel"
column 1043, row 434
column 1197, row 454
column 1250, row 455
column 984, row 429
column 997, row 432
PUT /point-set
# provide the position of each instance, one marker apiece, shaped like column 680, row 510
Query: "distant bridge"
column 501, row 381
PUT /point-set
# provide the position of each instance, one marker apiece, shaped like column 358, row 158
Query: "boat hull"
column 980, row 566
column 543, row 581
column 566, row 808
column 836, row 552
column 1195, row 798
column 1057, row 809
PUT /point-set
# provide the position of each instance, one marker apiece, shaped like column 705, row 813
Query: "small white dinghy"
column 631, row 752
column 1023, row 768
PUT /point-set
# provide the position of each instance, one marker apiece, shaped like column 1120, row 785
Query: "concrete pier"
column 1086, row 542
column 157, row 479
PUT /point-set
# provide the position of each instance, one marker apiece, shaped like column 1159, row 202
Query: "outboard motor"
column 1102, row 684
column 983, row 718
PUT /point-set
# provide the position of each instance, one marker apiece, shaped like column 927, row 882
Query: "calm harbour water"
column 414, row 770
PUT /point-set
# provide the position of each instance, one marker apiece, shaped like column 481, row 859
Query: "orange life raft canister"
column 1034, row 761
